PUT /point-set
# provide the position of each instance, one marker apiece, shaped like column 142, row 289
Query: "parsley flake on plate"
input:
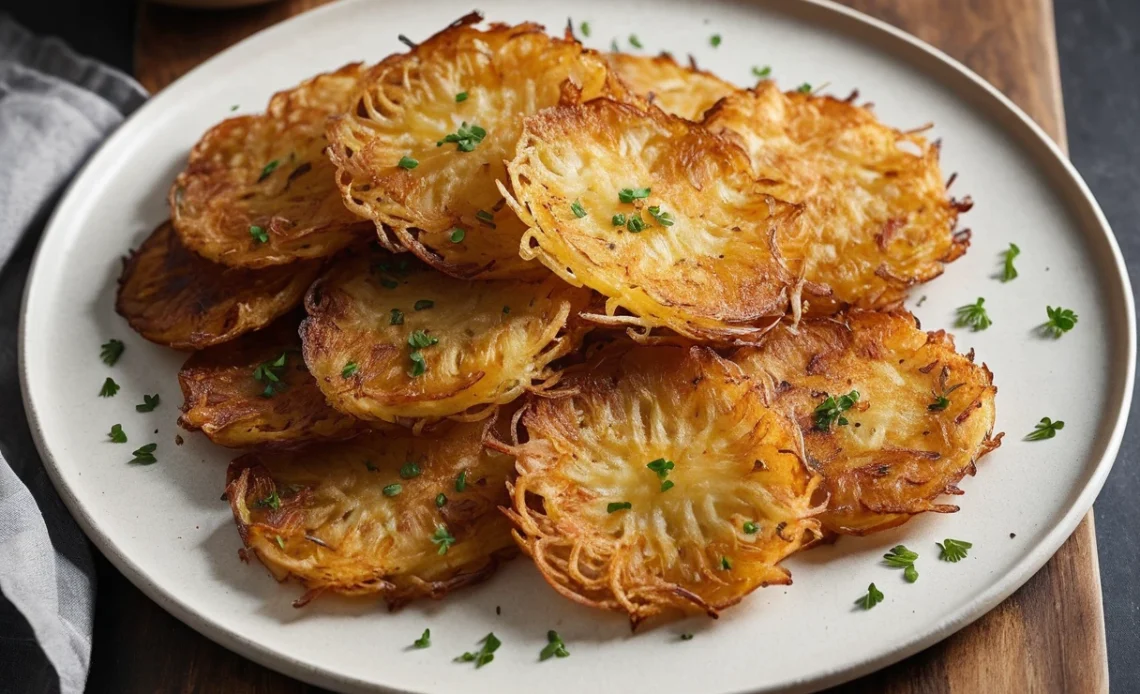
column 873, row 597
column 761, row 72
column 485, row 654
column 110, row 351
column 1045, row 429
column 831, row 410
column 424, row 641
column 117, row 435
column 144, row 455
column 1009, row 272
column 714, row 40
column 148, row 404
column 953, row 551
column 554, row 648
column 974, row 316
column 109, row 388
column 1061, row 321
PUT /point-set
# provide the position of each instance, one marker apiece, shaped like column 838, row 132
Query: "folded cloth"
column 55, row 109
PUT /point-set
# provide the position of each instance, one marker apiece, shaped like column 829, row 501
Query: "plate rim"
column 849, row 22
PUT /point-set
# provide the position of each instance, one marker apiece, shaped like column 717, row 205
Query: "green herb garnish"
column 750, row 528
column 259, row 234
column 618, row 220
column 667, row 485
column 902, row 558
column 420, row 339
column 460, row 97
column 109, row 388
column 111, row 351
column 407, row 162
column 804, row 88
column 1009, row 272
column 485, row 654
column 486, row 217
column 663, row 218
column 457, row 235
column 1061, row 321
column 725, row 563
column 392, row 490
column 1045, row 429
column 586, row 29
column 410, row 470
column 424, row 641
column 554, row 648
column 440, row 500
column 269, row 373
column 634, row 41
column 953, row 550
column 280, row 542
column 762, row 72
column 466, row 138
column 974, row 316
column 144, row 455
column 873, row 597
column 443, row 538
column 577, row 209
column 942, row 399
column 272, row 501
column 419, row 365
column 636, row 224
column 423, row 304
column 628, row 195
column 268, row 169
column 831, row 410
column 661, row 467
column 686, row 637
column 615, row 506
column 117, row 434
column 148, row 404
column 397, row 317
column 461, row 481
column 714, row 40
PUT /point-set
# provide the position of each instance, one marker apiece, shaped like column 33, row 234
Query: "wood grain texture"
column 1048, row 637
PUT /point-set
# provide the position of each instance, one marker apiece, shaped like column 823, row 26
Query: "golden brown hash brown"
column 424, row 345
column 717, row 493
column 901, row 449
column 451, row 110
column 679, row 90
column 876, row 214
column 657, row 214
column 256, row 391
column 269, row 171
column 173, row 297
column 366, row 517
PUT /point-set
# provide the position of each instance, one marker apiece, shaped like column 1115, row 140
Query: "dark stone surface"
column 1099, row 43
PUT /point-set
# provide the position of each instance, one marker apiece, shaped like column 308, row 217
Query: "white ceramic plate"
column 166, row 529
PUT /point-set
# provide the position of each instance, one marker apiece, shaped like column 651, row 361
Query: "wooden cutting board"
column 1048, row 637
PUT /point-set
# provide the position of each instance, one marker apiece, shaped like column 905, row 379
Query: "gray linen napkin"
column 55, row 109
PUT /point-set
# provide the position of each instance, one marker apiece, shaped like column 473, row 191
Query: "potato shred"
column 607, row 309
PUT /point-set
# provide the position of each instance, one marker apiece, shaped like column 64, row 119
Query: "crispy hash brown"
column 903, row 446
column 594, row 507
column 364, row 517
column 420, row 151
column 876, row 214
column 269, row 171
column 424, row 345
column 171, row 296
column 256, row 391
column 681, row 91
column 657, row 214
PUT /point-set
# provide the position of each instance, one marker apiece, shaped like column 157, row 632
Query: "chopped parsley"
column 1045, row 429
column 1061, row 321
column 663, row 218
column 410, row 470
column 577, row 209
column 634, row 41
column 661, row 467
column 902, row 558
column 461, row 481
column 349, row 369
column 615, row 506
column 831, row 410
column 805, row 88
column 486, row 217
column 443, row 538
column 460, row 97
column 667, row 485
column 554, row 648
column 628, row 195
column 485, row 654
column 974, row 316
column 148, row 404
column 1009, row 272
column 144, row 455
column 392, row 490
column 466, row 138
column 750, row 528
column 407, row 162
column 726, row 563
column 586, row 29
column 424, row 641
column 109, row 388
column 419, row 365
column 618, row 220
column 761, row 72
column 636, row 224
column 714, row 40
column 397, row 317
column 873, row 597
column 953, row 551
column 117, row 434
column 420, row 339
column 111, row 351
column 280, row 542
column 269, row 373
column 942, row 400
column 259, row 234
column 268, row 169
column 272, row 501
column 423, row 304
column 440, row 500
column 457, row 235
